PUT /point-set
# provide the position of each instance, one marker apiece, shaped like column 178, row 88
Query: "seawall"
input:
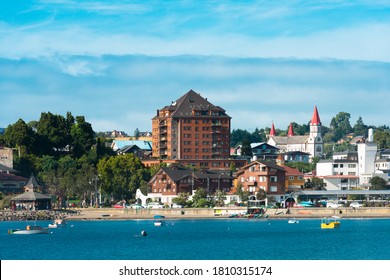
column 224, row 212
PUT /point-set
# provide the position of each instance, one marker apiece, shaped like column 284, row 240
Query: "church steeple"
column 290, row 130
column 272, row 132
column 315, row 142
column 315, row 119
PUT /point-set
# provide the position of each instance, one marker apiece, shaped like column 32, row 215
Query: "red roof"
column 316, row 117
column 290, row 130
column 272, row 132
column 292, row 171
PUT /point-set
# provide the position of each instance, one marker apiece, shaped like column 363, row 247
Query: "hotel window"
column 300, row 178
column 291, row 178
column 262, row 179
column 273, row 189
column 273, row 179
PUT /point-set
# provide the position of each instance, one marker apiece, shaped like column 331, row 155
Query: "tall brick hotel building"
column 193, row 131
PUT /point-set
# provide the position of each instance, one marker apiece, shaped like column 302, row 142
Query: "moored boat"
column 29, row 230
column 58, row 223
column 293, row 221
column 330, row 222
column 158, row 220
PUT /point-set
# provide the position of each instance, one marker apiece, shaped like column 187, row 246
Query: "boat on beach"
column 29, row 230
column 330, row 222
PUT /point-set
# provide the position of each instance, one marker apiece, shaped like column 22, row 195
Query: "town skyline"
column 117, row 62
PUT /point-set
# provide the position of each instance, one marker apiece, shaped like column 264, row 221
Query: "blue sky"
column 117, row 62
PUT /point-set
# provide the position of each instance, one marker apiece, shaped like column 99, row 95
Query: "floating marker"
column 143, row 233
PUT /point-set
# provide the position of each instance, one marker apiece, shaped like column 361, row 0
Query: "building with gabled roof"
column 263, row 175
column 264, row 151
column 312, row 143
column 168, row 182
column 10, row 182
column 32, row 198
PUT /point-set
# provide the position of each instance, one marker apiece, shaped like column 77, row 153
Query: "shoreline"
column 191, row 213
column 227, row 212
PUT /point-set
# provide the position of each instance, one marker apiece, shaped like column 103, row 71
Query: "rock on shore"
column 9, row 215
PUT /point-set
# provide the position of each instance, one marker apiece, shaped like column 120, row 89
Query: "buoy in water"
column 143, row 233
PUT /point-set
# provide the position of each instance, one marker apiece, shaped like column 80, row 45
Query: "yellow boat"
column 330, row 222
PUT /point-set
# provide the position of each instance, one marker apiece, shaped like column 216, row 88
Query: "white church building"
column 312, row 143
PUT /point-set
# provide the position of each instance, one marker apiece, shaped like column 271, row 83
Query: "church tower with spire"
column 315, row 143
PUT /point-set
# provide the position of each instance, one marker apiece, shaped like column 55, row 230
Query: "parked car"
column 135, row 206
column 332, row 205
column 355, row 205
column 175, row 205
column 118, row 205
column 154, row 205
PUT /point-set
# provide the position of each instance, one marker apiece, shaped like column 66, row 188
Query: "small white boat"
column 58, row 223
column 293, row 221
column 158, row 222
column 29, row 230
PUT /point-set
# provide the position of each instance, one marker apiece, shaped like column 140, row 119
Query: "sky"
column 117, row 62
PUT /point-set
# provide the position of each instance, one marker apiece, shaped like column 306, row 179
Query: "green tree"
column 102, row 150
column 19, row 136
column 199, row 199
column 26, row 165
column 261, row 194
column 246, row 149
column 258, row 135
column 122, row 175
column 67, row 176
column 181, row 199
column 340, row 125
column 378, row 183
column 82, row 137
column 136, row 134
column 300, row 129
column 382, row 138
column 55, row 130
column 315, row 183
column 360, row 129
column 238, row 135
column 304, row 167
column 243, row 195
column 220, row 197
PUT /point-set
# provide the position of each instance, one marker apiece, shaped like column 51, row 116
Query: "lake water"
column 204, row 239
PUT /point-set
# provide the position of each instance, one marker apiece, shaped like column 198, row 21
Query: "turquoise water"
column 220, row 239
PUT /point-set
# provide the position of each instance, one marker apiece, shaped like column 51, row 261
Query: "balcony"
column 162, row 123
